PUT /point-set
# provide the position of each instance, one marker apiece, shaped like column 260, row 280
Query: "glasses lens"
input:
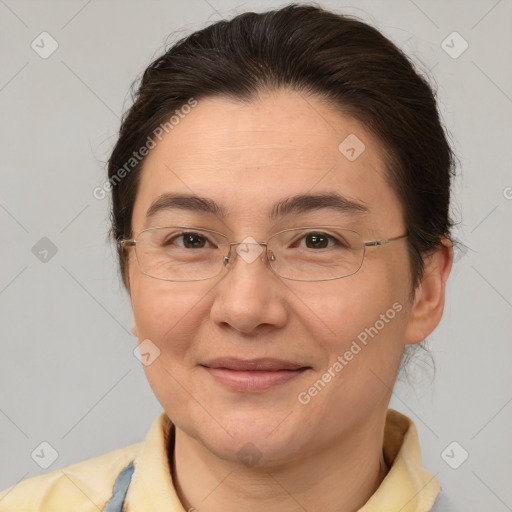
column 316, row 253
column 180, row 253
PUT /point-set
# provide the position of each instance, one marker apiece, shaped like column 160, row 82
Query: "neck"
column 339, row 478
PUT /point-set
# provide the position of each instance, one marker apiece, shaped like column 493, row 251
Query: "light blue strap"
column 115, row 503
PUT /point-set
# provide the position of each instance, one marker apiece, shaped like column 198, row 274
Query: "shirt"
column 88, row 486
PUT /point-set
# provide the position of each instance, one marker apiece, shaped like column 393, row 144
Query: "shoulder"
column 84, row 486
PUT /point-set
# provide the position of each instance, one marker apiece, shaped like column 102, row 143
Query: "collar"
column 407, row 487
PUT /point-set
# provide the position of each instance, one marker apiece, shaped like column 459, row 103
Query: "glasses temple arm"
column 385, row 240
column 125, row 243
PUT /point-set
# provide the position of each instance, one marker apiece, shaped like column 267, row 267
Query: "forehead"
column 246, row 157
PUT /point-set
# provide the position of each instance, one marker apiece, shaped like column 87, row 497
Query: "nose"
column 250, row 297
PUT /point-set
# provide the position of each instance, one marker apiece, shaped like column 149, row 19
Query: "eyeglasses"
column 314, row 253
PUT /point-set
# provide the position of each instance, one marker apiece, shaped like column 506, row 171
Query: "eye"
column 320, row 240
column 189, row 240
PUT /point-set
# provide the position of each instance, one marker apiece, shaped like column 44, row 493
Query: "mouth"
column 255, row 375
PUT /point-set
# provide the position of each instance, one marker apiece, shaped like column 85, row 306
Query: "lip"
column 261, row 364
column 254, row 375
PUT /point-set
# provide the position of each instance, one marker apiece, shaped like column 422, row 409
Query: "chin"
column 255, row 451
column 253, row 438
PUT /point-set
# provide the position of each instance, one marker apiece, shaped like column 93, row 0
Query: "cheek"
column 169, row 314
column 343, row 309
column 167, row 311
column 363, row 331
column 360, row 327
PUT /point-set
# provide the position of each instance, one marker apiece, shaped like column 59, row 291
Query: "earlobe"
column 428, row 306
column 135, row 331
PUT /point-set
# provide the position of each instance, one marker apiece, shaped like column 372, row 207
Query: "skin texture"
column 326, row 455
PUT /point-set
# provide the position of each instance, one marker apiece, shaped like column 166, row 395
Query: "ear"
column 135, row 331
column 428, row 306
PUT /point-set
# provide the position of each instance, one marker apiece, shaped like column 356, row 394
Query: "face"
column 347, row 334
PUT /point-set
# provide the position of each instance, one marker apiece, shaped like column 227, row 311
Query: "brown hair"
column 310, row 50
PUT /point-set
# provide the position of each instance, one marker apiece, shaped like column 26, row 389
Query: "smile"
column 252, row 381
column 255, row 375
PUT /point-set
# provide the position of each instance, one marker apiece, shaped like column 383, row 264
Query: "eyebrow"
column 301, row 203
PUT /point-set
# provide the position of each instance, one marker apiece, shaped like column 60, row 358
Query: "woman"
column 280, row 202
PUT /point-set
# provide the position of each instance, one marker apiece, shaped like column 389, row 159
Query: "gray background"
column 68, row 374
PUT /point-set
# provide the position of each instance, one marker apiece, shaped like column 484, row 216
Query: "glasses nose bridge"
column 230, row 258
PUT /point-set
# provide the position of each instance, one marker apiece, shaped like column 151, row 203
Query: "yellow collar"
column 407, row 487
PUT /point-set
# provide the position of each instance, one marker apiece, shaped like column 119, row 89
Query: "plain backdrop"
column 68, row 373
